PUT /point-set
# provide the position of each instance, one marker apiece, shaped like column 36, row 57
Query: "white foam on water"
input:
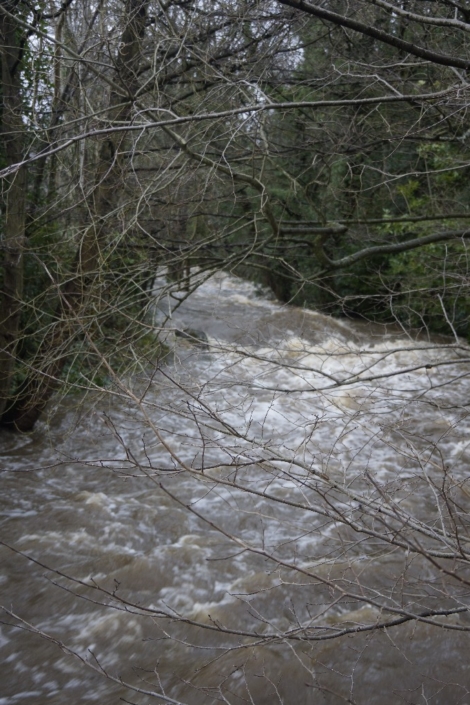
column 293, row 417
column 25, row 694
column 96, row 499
column 3, row 638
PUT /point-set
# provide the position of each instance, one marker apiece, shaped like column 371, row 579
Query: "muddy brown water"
column 119, row 539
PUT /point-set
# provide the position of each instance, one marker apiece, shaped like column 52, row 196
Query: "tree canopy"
column 319, row 150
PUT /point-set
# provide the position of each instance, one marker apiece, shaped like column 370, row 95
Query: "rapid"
column 232, row 525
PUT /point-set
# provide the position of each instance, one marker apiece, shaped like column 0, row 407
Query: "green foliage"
column 430, row 286
column 93, row 366
column 112, row 329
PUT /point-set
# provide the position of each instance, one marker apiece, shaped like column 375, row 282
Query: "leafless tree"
column 306, row 477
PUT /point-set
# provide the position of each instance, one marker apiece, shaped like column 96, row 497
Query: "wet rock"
column 196, row 336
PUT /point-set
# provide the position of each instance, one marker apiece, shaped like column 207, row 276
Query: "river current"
column 230, row 525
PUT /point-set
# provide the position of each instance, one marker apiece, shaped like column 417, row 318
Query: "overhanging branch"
column 384, row 37
column 394, row 248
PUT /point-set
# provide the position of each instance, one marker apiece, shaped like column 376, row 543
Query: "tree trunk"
column 55, row 350
column 13, row 205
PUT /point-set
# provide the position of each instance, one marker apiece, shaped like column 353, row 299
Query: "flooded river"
column 277, row 514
